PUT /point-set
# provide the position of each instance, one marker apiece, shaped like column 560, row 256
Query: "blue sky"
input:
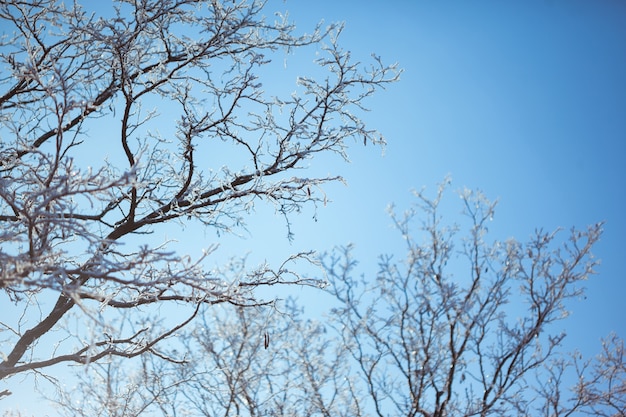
column 524, row 100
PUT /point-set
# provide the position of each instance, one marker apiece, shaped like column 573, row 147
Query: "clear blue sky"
column 525, row 100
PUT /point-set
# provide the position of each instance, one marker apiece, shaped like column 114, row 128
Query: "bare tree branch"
column 115, row 125
column 461, row 326
column 433, row 335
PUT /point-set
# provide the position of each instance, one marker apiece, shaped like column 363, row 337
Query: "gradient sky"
column 525, row 100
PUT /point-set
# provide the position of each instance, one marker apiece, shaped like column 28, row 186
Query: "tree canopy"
column 123, row 124
column 116, row 122
column 461, row 324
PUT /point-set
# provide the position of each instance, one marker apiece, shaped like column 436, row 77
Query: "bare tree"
column 118, row 387
column 276, row 364
column 461, row 326
column 465, row 326
column 259, row 361
column 599, row 388
column 116, row 124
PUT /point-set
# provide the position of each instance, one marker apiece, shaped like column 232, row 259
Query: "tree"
column 241, row 362
column 460, row 326
column 465, row 326
column 116, row 124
